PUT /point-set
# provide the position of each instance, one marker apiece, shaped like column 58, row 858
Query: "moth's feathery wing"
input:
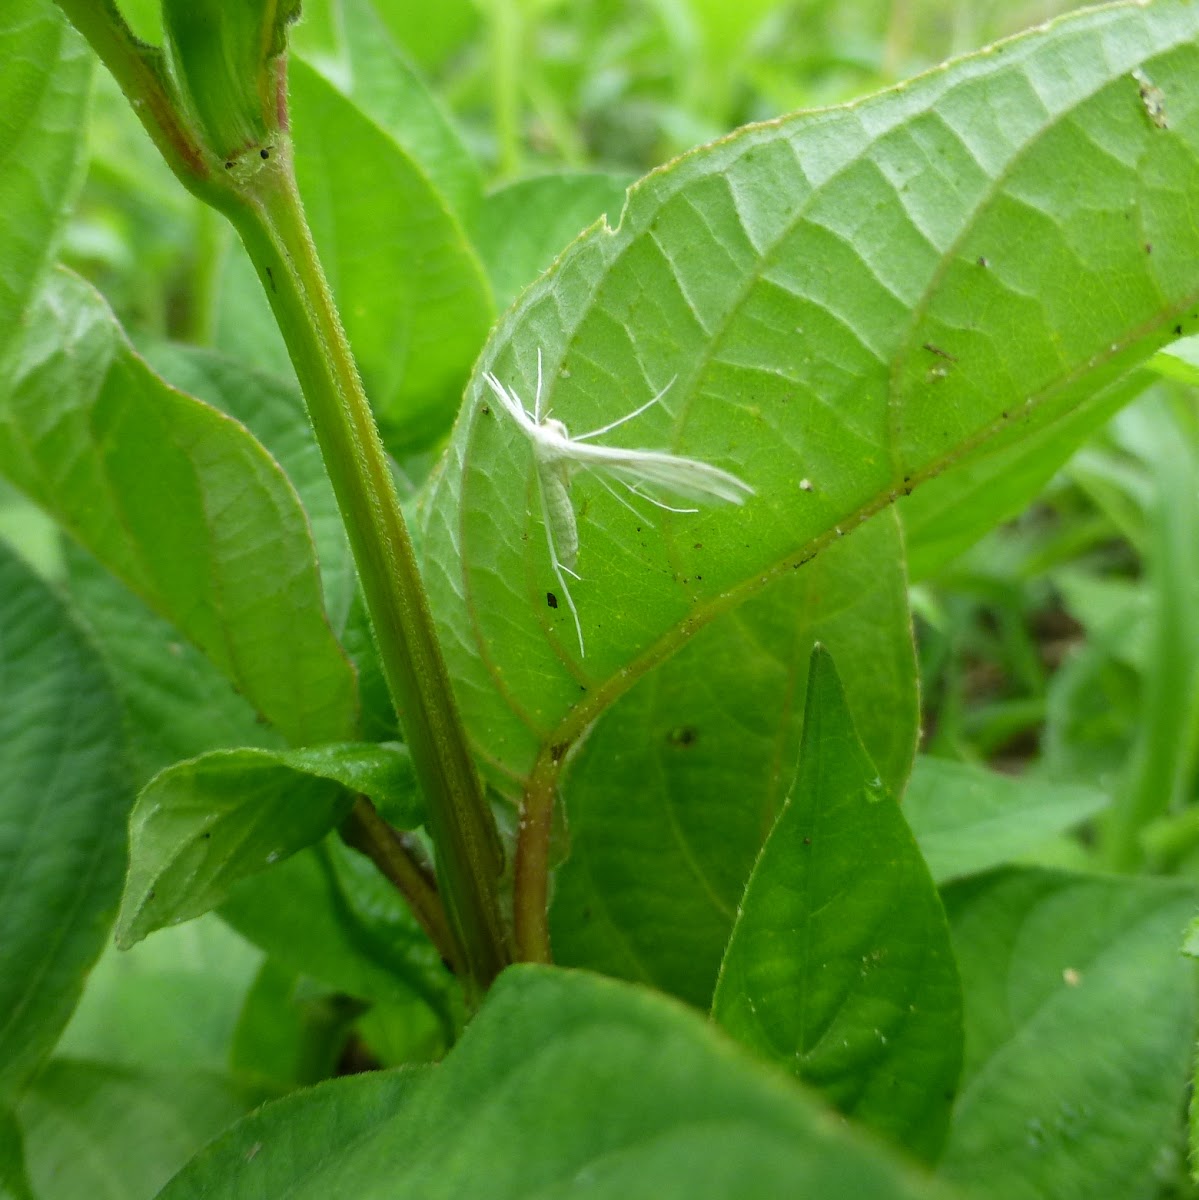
column 686, row 477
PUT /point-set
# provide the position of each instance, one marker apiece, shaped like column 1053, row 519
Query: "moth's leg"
column 537, row 399
column 558, row 566
column 654, row 500
column 617, row 496
column 582, row 437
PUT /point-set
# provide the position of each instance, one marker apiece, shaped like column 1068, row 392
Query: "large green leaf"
column 64, row 796
column 200, row 826
column 839, row 966
column 43, row 96
column 413, row 296
column 967, row 819
column 1080, row 1022
column 182, row 504
column 843, row 304
column 670, row 797
column 98, row 1132
column 564, row 1085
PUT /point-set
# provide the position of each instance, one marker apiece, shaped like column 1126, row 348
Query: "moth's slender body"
column 559, row 456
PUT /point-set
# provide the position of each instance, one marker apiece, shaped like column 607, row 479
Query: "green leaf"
column 839, row 967
column 412, row 293
column 329, row 914
column 64, row 796
column 200, row 826
column 43, row 104
column 785, row 284
column 182, row 504
column 177, row 705
column 1080, row 1019
column 524, row 225
column 646, row 1101
column 670, row 797
column 172, row 999
column 967, row 819
column 384, row 84
column 274, row 413
column 95, row 1132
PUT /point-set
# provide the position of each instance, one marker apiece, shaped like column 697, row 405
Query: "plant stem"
column 369, row 834
column 469, row 858
column 530, row 892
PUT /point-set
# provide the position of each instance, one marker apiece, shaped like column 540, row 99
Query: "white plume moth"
column 559, row 456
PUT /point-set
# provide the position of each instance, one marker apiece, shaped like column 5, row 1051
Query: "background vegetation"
column 1061, row 648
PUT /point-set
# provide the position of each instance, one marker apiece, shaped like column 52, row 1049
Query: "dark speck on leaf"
column 551, row 599
column 982, row 262
column 1178, row 331
column 684, row 735
column 807, row 841
column 264, row 153
column 228, row 166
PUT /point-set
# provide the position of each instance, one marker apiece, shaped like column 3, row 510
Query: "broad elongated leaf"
column 1079, row 1027
column 381, row 81
column 43, row 97
column 673, row 792
column 413, row 295
column 96, row 1132
column 182, row 504
column 843, row 304
column 274, row 413
column 64, row 797
column 839, row 967
column 967, row 819
column 647, row 1101
column 200, row 826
